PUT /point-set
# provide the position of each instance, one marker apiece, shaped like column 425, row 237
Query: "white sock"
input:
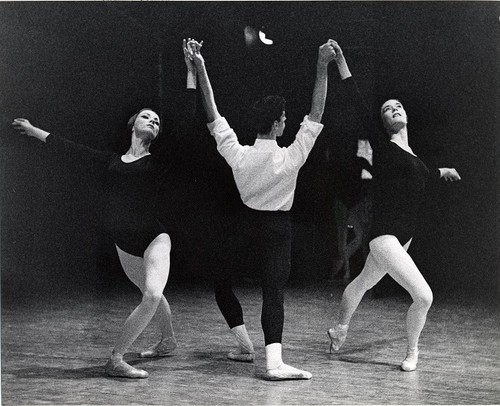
column 276, row 370
column 241, row 335
column 273, row 356
column 116, row 356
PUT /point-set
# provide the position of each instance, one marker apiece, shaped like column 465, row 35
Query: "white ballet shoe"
column 286, row 372
column 119, row 368
column 337, row 335
column 239, row 356
column 162, row 349
column 410, row 362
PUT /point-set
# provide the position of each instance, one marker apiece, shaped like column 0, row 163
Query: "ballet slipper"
column 161, row 349
column 337, row 336
column 410, row 362
column 119, row 368
column 286, row 372
column 239, row 356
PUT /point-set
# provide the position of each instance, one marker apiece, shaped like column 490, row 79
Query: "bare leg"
column 351, row 298
column 354, row 292
column 156, row 270
column 134, row 268
column 403, row 270
column 168, row 343
column 167, row 330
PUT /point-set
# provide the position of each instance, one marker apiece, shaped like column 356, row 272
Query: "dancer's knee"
column 369, row 282
column 224, row 295
column 152, row 297
column 275, row 282
column 272, row 294
column 423, row 298
column 363, row 282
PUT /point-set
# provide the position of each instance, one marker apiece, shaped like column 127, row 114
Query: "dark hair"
column 266, row 111
column 386, row 99
column 379, row 114
column 131, row 120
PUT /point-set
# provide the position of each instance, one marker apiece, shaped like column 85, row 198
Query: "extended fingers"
column 452, row 175
column 20, row 122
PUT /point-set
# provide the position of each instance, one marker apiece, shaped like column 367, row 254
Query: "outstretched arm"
column 207, row 92
column 26, row 128
column 326, row 54
column 60, row 144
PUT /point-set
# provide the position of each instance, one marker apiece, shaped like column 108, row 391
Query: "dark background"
column 82, row 69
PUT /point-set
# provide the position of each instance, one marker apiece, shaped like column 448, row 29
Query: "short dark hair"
column 266, row 111
column 131, row 120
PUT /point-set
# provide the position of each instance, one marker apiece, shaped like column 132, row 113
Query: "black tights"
column 270, row 234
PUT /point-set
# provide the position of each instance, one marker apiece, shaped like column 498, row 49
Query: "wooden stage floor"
column 54, row 348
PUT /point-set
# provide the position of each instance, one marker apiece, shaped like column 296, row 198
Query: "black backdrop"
column 83, row 68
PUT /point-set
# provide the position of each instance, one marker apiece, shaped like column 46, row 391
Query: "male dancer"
column 266, row 177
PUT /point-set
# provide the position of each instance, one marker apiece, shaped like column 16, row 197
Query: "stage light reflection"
column 266, row 41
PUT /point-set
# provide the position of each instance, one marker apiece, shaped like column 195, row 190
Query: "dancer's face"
column 148, row 123
column 393, row 115
column 281, row 125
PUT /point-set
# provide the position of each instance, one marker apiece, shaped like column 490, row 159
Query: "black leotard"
column 127, row 211
column 399, row 178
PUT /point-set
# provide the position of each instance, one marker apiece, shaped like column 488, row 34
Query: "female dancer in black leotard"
column 128, row 216
column 399, row 178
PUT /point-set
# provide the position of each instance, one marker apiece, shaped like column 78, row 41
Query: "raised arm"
column 188, row 104
column 326, row 54
column 177, row 140
column 373, row 131
column 226, row 139
column 339, row 58
column 191, row 68
column 184, row 110
column 207, row 92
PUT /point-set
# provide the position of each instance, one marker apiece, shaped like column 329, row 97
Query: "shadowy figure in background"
column 353, row 212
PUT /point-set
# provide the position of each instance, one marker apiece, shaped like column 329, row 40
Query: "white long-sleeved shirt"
column 265, row 173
